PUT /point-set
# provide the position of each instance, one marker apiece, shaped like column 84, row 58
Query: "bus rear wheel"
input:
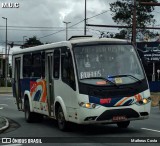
column 62, row 123
column 124, row 124
column 30, row 116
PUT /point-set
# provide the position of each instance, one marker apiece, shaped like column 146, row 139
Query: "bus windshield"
column 108, row 64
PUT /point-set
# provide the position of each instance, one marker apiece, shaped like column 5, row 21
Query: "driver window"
column 68, row 75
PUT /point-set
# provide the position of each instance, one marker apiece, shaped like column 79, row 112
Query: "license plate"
column 119, row 118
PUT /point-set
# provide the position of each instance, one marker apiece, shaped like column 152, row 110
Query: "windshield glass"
column 99, row 64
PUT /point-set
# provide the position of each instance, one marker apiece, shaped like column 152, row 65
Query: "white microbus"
column 83, row 80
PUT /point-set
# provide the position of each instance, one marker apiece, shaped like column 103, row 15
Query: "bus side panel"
column 37, row 94
column 25, row 85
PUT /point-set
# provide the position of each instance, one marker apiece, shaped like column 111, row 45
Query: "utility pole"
column 6, row 56
column 85, row 17
column 134, row 23
column 66, row 29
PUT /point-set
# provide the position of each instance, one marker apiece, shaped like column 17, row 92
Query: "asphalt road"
column 79, row 135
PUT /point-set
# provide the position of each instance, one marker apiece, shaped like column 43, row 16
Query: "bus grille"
column 109, row 114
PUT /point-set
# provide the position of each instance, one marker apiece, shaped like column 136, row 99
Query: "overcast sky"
column 33, row 15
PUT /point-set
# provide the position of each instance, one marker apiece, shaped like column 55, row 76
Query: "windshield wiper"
column 131, row 76
column 107, row 80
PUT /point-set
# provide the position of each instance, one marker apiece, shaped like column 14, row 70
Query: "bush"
column 2, row 83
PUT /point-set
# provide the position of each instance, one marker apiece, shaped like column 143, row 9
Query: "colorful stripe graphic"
column 115, row 102
column 38, row 90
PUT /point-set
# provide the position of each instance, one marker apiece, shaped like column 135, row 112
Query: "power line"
column 101, row 30
column 58, row 31
column 40, row 30
column 98, row 14
column 61, row 30
column 51, row 34
column 75, row 24
column 49, row 27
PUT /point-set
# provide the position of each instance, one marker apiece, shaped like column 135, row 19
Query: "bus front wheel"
column 124, row 124
column 62, row 123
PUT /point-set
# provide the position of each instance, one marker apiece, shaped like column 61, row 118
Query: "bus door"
column 50, row 83
column 17, row 83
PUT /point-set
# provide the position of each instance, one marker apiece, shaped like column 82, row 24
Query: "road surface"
column 79, row 135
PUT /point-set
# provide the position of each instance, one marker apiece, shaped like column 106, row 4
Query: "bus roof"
column 68, row 43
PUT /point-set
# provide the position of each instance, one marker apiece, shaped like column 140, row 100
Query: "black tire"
column 124, row 124
column 62, row 123
column 30, row 116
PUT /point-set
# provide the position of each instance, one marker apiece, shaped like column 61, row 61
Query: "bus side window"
column 27, row 65
column 43, row 65
column 36, row 68
column 68, row 75
column 56, row 64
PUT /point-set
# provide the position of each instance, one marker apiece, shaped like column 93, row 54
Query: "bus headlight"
column 88, row 105
column 144, row 101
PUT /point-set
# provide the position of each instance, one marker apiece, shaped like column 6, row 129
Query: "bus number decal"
column 105, row 101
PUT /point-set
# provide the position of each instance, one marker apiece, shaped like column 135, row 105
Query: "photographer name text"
column 147, row 140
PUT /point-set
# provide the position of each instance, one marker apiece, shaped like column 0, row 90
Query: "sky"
column 44, row 19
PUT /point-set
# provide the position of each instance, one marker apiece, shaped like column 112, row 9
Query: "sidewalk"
column 155, row 96
column 4, row 90
column 4, row 124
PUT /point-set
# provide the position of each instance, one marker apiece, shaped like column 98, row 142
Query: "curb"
column 6, row 126
column 6, row 93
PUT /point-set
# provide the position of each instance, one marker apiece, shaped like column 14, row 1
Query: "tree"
column 32, row 42
column 122, row 12
column 121, row 35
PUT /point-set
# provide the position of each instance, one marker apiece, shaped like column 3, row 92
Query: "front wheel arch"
column 63, row 125
column 31, row 116
column 27, row 112
column 59, row 102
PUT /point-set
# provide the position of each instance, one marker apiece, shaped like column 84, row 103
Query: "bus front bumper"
column 113, row 114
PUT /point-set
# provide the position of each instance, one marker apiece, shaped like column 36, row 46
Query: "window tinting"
column 36, row 68
column 56, row 64
column 27, row 65
column 34, row 65
column 68, row 75
column 43, row 64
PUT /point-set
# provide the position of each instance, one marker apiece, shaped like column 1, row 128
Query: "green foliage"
column 121, row 34
column 32, row 42
column 122, row 12
column 2, row 82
